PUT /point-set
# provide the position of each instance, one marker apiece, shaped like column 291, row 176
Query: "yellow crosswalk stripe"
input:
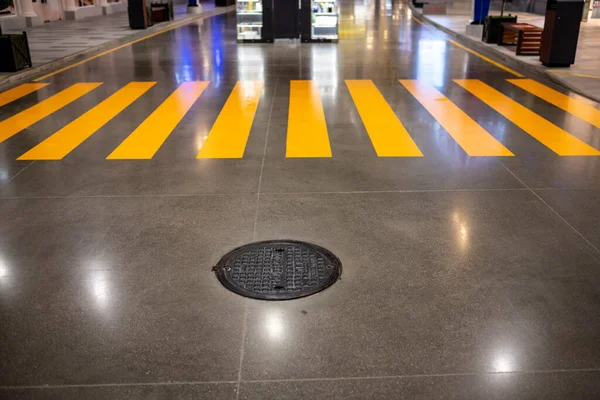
column 307, row 131
column 147, row 138
column 19, row 91
column 578, row 108
column 66, row 139
column 474, row 140
column 558, row 140
column 229, row 134
column 388, row 135
column 41, row 110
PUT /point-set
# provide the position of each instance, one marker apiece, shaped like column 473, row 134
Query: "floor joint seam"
column 566, row 188
column 553, row 210
column 395, row 191
column 244, row 333
column 280, row 193
column 118, row 196
column 100, row 385
column 18, row 173
column 262, row 166
column 349, row 378
column 245, row 323
column 487, row 373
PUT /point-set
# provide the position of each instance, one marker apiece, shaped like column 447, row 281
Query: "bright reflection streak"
column 462, row 228
column 274, row 326
column 3, row 175
column 360, row 13
column 463, row 231
column 217, row 58
column 249, row 90
column 100, row 288
column 503, row 363
column 431, row 61
column 185, row 72
column 251, row 63
column 4, row 272
column 370, row 41
column 324, row 65
column 201, row 138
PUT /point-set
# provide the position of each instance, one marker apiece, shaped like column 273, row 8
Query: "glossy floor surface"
column 462, row 199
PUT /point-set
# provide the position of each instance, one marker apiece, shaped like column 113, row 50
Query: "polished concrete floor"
column 464, row 206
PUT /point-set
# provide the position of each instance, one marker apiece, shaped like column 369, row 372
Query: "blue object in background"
column 480, row 11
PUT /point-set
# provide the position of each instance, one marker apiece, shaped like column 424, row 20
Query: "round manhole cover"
column 278, row 269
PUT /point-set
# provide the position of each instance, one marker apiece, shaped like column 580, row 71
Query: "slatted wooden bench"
column 526, row 37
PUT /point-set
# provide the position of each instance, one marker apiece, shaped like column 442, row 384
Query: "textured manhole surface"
column 278, row 269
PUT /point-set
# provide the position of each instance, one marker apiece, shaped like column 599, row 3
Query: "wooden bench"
column 526, row 37
column 435, row 7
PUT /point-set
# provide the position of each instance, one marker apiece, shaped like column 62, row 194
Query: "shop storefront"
column 595, row 11
column 7, row 9
column 49, row 10
column 20, row 14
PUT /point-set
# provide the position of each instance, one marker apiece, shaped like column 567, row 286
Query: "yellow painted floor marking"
column 574, row 74
column 30, row 116
column 558, row 140
column 474, row 140
column 68, row 138
column 497, row 64
column 229, row 134
column 20, row 91
column 388, row 135
column 307, row 131
column 578, row 108
column 422, row 23
column 147, row 138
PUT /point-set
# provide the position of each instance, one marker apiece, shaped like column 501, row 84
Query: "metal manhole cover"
column 278, row 269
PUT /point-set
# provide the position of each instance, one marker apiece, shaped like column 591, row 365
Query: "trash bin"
column 14, row 52
column 561, row 32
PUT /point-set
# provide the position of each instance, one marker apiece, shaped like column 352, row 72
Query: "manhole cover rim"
column 220, row 270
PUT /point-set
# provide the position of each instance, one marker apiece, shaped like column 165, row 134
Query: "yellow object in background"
column 44, row 108
column 230, row 132
column 20, row 91
column 145, row 141
column 558, row 140
column 307, row 131
column 573, row 106
column 68, row 138
column 388, row 135
column 474, row 140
